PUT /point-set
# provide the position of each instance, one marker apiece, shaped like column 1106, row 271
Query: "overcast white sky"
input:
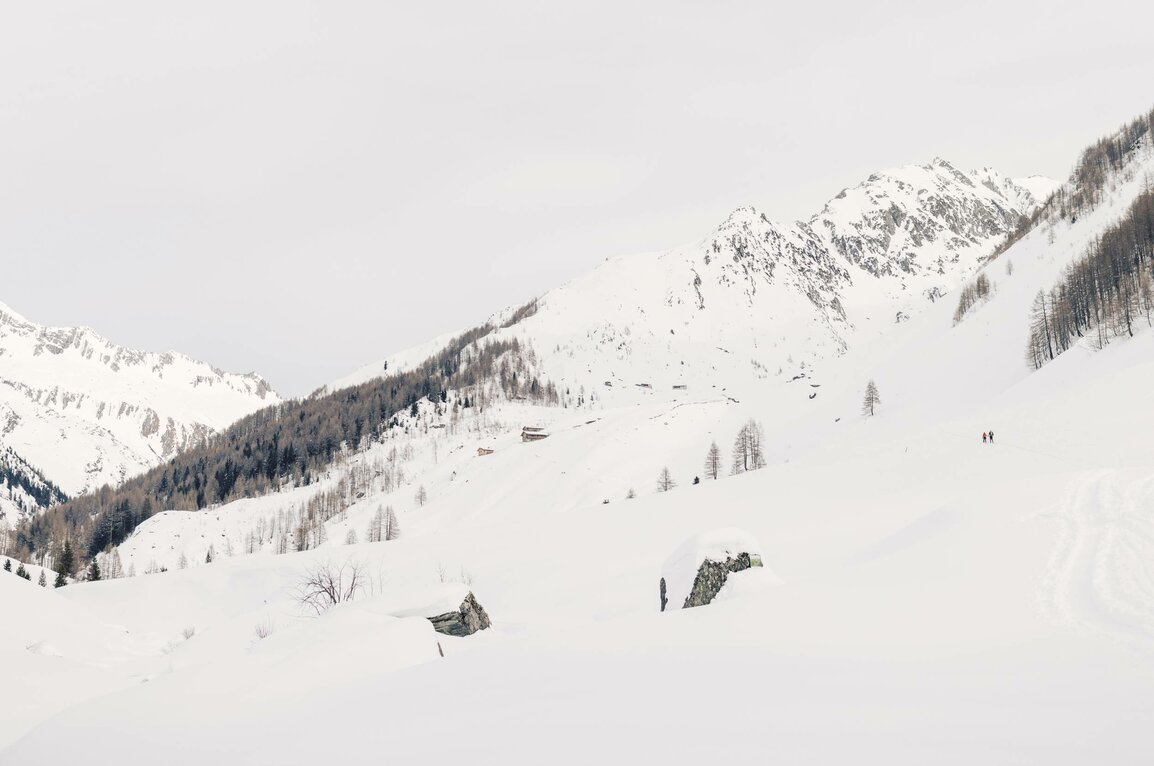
column 300, row 188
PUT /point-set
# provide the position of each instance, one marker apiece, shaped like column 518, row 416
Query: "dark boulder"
column 466, row 621
column 698, row 570
column 711, row 577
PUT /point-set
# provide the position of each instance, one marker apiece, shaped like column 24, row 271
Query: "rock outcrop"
column 466, row 621
column 711, row 577
column 701, row 566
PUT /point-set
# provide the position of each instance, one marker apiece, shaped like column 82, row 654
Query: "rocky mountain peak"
column 84, row 411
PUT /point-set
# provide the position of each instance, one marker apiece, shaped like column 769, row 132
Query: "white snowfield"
column 936, row 600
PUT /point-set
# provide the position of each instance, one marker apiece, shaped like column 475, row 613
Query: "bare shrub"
column 463, row 576
column 264, row 628
column 188, row 632
column 323, row 586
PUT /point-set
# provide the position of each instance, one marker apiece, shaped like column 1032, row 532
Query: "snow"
column 1040, row 187
column 85, row 411
column 935, row 599
column 437, row 601
column 758, row 297
column 719, row 545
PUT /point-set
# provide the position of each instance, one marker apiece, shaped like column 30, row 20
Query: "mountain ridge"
column 900, row 238
column 84, row 410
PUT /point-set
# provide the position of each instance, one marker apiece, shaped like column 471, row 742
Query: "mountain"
column 760, row 297
column 23, row 489
column 752, row 303
column 82, row 411
column 924, row 593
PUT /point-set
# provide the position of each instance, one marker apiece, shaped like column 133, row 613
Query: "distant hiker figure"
column 991, row 437
column 983, row 437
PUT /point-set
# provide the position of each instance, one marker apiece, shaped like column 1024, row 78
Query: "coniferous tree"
column 93, row 571
column 665, row 480
column 112, row 568
column 376, row 526
column 872, row 399
column 972, row 294
column 7, row 565
column 67, row 563
column 287, row 444
column 1041, row 345
column 22, row 572
column 713, row 462
column 1103, row 294
column 43, row 581
column 392, row 528
column 748, row 451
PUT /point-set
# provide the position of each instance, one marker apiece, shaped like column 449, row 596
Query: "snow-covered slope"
column 937, row 599
column 941, row 601
column 23, row 489
column 695, row 334
column 84, row 411
column 755, row 296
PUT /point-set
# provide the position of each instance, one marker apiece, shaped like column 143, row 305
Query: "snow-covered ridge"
column 770, row 296
column 85, row 411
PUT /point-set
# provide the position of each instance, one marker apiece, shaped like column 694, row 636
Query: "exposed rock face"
column 466, row 621
column 700, row 567
column 712, row 575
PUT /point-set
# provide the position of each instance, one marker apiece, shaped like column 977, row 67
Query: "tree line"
column 1102, row 294
column 972, row 293
column 287, row 444
column 23, row 480
column 1098, row 164
column 1103, row 160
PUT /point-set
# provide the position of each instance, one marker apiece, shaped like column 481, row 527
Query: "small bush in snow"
column 326, row 585
column 188, row 632
column 463, row 576
column 264, row 628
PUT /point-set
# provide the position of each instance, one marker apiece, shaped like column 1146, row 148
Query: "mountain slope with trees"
column 288, row 444
column 85, row 411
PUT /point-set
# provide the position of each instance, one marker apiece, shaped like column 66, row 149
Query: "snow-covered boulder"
column 453, row 610
column 699, row 568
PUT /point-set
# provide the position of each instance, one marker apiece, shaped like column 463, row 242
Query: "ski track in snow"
column 1099, row 579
